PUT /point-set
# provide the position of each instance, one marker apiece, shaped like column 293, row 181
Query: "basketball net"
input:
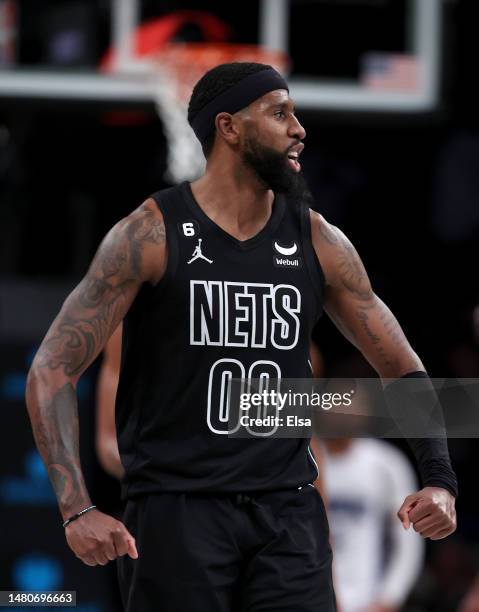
column 177, row 68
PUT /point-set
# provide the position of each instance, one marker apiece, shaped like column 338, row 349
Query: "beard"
column 274, row 171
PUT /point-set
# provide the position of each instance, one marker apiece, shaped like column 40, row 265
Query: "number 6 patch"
column 189, row 229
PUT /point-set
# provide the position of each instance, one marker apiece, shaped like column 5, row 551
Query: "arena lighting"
column 425, row 36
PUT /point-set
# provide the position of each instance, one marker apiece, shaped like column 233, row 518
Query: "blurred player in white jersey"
column 376, row 561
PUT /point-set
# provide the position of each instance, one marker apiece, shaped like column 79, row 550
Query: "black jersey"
column 224, row 308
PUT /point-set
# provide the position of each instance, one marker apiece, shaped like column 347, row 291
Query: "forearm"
column 413, row 404
column 370, row 325
column 388, row 350
column 132, row 253
column 52, row 406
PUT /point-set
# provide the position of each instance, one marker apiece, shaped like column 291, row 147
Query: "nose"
column 296, row 130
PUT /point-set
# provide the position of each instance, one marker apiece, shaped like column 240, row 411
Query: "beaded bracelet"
column 77, row 515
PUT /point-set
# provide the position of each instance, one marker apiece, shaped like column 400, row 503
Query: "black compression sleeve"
column 431, row 453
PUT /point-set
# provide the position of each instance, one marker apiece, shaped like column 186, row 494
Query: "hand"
column 431, row 511
column 97, row 538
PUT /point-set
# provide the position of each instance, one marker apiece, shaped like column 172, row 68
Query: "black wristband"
column 431, row 453
column 77, row 515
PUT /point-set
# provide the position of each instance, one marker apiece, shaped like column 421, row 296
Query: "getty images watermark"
column 277, row 401
column 296, row 408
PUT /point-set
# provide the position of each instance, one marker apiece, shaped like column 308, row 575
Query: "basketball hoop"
column 173, row 68
column 175, row 71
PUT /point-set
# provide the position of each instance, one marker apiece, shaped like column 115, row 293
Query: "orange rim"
column 186, row 63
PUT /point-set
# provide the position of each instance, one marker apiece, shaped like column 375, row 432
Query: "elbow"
column 42, row 384
column 35, row 381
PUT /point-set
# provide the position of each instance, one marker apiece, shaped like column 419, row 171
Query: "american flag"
column 389, row 72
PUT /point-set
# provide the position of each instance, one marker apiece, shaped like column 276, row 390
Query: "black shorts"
column 228, row 553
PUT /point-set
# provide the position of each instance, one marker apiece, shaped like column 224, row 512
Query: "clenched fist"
column 97, row 538
column 431, row 511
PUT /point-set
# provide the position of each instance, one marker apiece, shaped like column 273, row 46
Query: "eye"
column 279, row 113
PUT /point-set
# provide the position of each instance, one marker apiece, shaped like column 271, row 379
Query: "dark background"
column 403, row 187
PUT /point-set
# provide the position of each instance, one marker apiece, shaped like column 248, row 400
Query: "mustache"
column 271, row 167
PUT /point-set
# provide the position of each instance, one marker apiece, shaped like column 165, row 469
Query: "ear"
column 227, row 127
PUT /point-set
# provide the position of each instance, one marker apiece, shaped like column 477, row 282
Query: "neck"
column 232, row 195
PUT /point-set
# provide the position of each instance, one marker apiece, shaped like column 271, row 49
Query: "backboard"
column 371, row 55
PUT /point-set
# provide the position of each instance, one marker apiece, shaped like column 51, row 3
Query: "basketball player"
column 108, row 375
column 362, row 518
column 214, row 523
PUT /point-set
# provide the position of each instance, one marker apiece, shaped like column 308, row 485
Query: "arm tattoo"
column 389, row 333
column 55, row 429
column 363, row 316
column 145, row 229
column 87, row 319
column 327, row 232
column 385, row 344
column 94, row 308
column 350, row 269
column 352, row 273
column 95, row 290
column 393, row 329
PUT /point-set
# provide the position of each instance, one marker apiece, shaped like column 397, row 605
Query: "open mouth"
column 293, row 161
column 293, row 156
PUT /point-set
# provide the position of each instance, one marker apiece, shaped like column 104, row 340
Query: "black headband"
column 235, row 98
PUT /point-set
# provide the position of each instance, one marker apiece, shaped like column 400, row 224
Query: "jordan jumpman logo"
column 197, row 254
